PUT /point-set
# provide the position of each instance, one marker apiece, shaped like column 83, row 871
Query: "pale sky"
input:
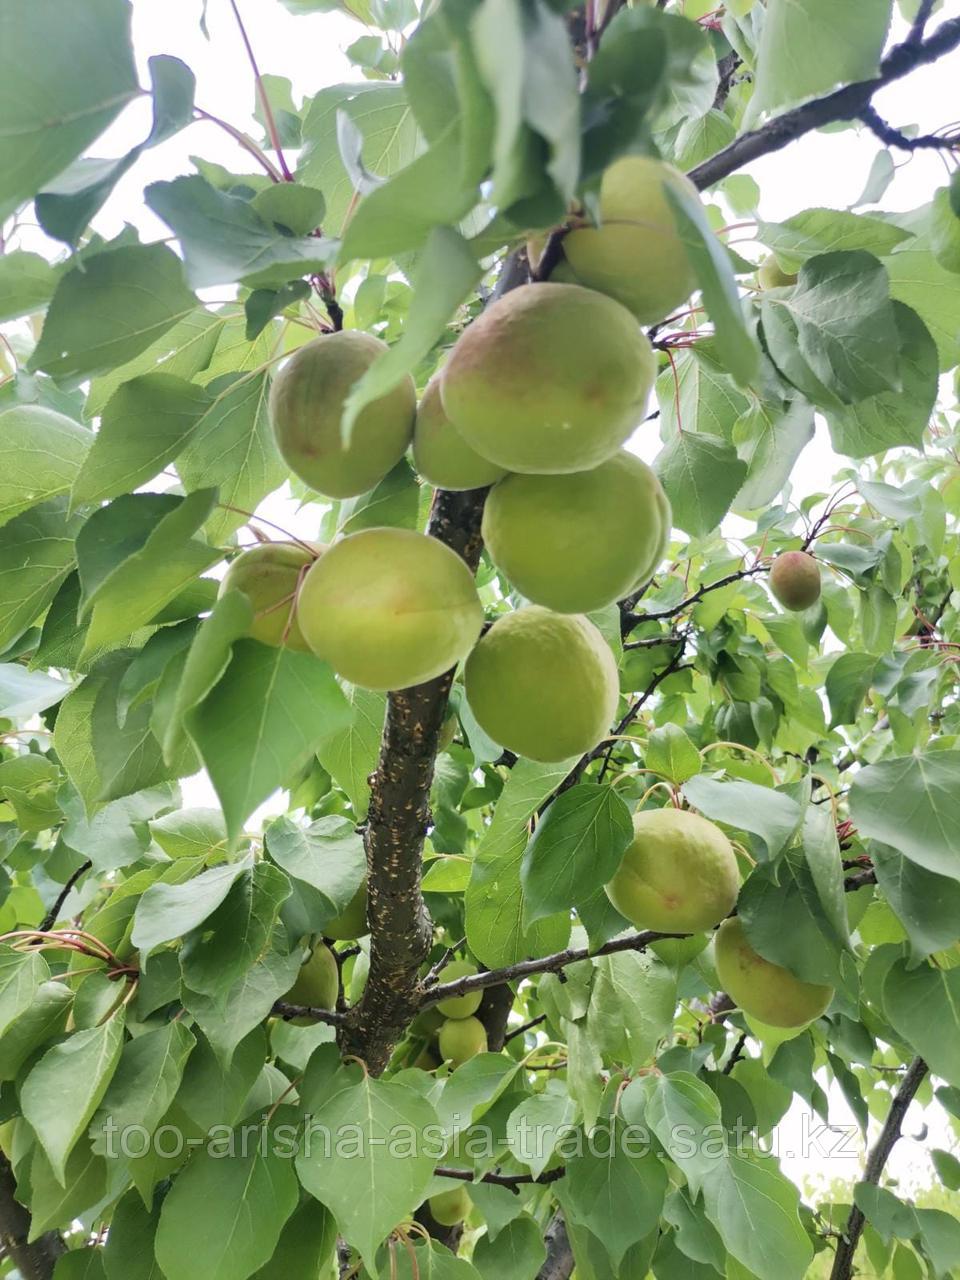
column 822, row 169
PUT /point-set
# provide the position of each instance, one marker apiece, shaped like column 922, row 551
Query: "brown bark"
column 34, row 1261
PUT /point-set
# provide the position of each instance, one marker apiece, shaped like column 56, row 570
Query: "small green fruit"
column 459, row 1006
column 450, row 1207
column 770, row 274
column 678, row 875
column 426, row 1060
column 549, row 379
column 390, row 608
column 636, row 254
column 678, row 952
column 270, row 574
column 317, row 983
column 440, row 454
column 543, row 684
column 577, row 542
column 306, row 408
column 795, row 580
column 764, row 990
column 461, row 1039
column 352, row 921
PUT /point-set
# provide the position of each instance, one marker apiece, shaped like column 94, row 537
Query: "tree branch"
column 287, row 1011
column 560, row 1261
column 34, row 1261
column 509, row 1180
column 892, row 137
column 545, row 964
column 50, row 919
column 876, row 1160
column 631, row 620
column 844, row 104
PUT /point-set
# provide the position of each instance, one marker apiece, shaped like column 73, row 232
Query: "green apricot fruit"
column 450, row 1207
column 795, row 580
column 317, row 983
column 549, row 379
column 306, row 407
column 636, row 254
column 678, row 952
column 352, row 921
column 678, row 875
column 764, row 990
column 440, row 454
column 426, row 1060
column 577, row 542
column 543, row 684
column 461, row 1039
column 269, row 574
column 770, row 274
column 459, row 1006
column 390, row 608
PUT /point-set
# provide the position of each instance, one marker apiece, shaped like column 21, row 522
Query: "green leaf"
column 913, row 804
column 110, row 309
column 51, row 1202
column 135, row 556
column 537, row 1124
column 184, row 351
column 224, row 239
column 54, row 108
column 27, row 282
column 701, row 476
column 350, row 754
column 64, row 1089
column 223, row 1216
column 701, row 398
column 892, row 418
column 671, row 754
column 128, row 1254
column 168, row 911
column 237, row 933
column 821, row 849
column 614, row 1191
column 784, row 921
column 328, row 856
column 846, row 325
column 848, row 682
column 517, row 1251
column 390, row 134
column 817, row 231
column 839, row 44
column 145, row 424
column 377, row 1177
column 632, row 1005
column 923, row 1004
column 446, row 273
column 212, row 1094
column 81, row 1264
column 263, row 719
column 305, row 1247
column 36, row 554
column 145, row 1083
column 709, row 259
column 233, row 449
column 927, row 905
column 190, row 832
column 229, row 1016
column 21, row 974
column 116, row 834
column 766, row 813
column 67, row 204
column 494, row 901
column 576, row 848
column 769, row 440
column 684, row 1114
column 754, row 1208
column 918, row 279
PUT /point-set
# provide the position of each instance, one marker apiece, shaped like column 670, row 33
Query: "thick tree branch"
column 892, row 137
column 843, row 104
column 876, row 1160
column 560, row 1261
column 397, row 822
column 34, row 1261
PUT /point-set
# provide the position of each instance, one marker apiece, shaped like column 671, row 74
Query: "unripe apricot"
column 270, row 574
column 317, row 983
column 440, row 454
column 306, row 408
column 575, row 543
column 795, row 580
column 352, row 921
column 764, row 990
column 551, row 378
column 390, row 608
column 459, row 1006
column 543, row 684
column 461, row 1039
column 770, row 274
column 450, row 1207
column 678, row 875
column 636, row 254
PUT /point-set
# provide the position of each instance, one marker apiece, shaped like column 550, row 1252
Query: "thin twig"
column 263, row 96
column 53, row 915
column 510, row 1180
column 634, row 619
column 527, row 1026
column 287, row 1011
